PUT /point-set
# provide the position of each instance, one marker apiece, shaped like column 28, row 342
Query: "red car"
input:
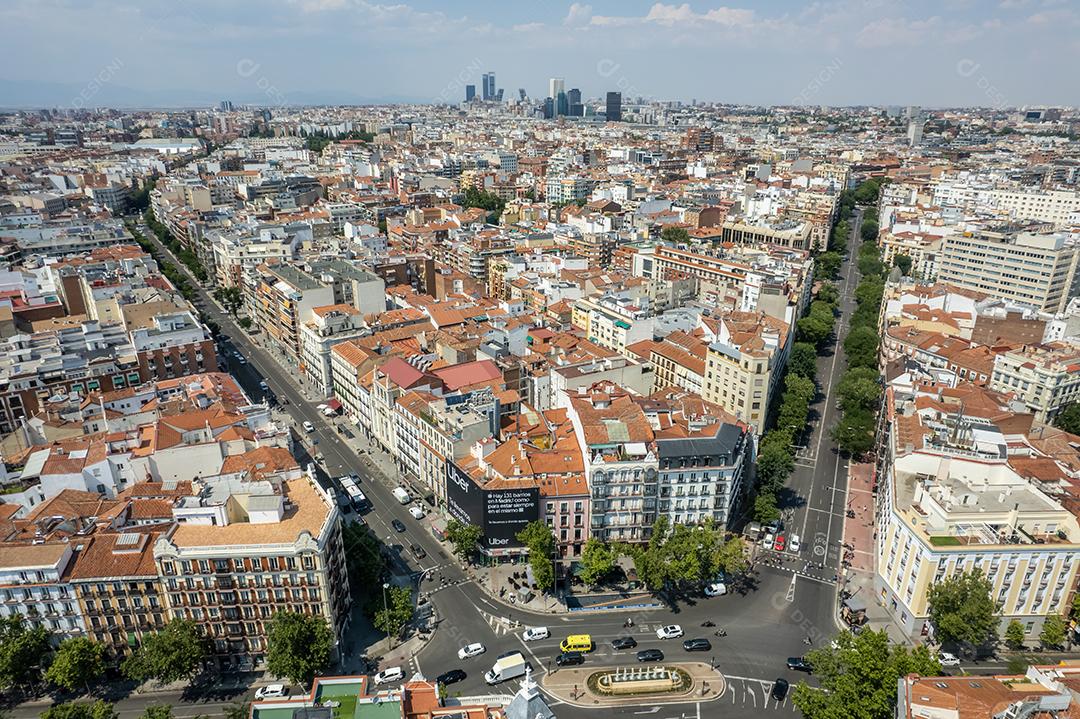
column 778, row 545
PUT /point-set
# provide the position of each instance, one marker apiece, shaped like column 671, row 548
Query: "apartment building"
column 1045, row 377
column 956, row 496
column 329, row 325
column 1041, row 692
column 924, row 250
column 794, row 234
column 173, row 345
column 567, row 189
column 448, row 428
column 612, row 322
column 284, row 297
column 746, row 357
column 242, row 551
column 34, row 584
column 1059, row 207
column 1032, row 269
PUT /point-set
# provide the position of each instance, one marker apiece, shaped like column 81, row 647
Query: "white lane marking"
column 791, row 589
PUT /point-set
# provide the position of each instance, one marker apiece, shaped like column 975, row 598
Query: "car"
column 778, row 545
column 798, row 664
column 263, row 386
column 308, row 427
column 418, row 551
column 794, row 544
column 779, row 689
column 416, row 512
column 948, row 660
column 650, row 655
column 451, row 677
column 716, row 589
column 624, row 643
column 272, row 691
column 671, row 631
column 392, row 674
column 569, row 659
column 697, row 645
column 471, row 650
column 398, row 525
column 240, row 358
column 533, row 634
column 321, row 407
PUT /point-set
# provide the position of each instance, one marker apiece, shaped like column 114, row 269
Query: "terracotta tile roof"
column 117, row 555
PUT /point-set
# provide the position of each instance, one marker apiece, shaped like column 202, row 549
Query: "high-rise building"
column 521, row 93
column 499, row 95
column 562, row 105
column 573, row 99
column 555, row 86
column 614, row 107
column 226, row 106
column 470, row 93
column 549, row 108
column 488, row 89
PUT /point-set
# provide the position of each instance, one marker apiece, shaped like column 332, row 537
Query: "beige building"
column 611, row 326
column 1038, row 270
column 1046, row 378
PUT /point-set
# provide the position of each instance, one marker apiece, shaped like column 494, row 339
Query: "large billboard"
column 500, row 513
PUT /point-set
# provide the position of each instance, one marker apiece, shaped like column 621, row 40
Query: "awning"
column 334, row 405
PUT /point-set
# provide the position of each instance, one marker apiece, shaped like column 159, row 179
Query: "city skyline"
column 301, row 52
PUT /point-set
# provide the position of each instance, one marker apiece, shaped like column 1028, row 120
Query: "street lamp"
column 386, row 612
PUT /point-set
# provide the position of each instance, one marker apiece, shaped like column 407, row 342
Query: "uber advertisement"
column 500, row 513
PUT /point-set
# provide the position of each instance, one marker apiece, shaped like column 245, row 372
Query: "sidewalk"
column 571, row 686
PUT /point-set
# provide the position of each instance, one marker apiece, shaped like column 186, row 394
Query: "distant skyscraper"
column 499, row 95
column 226, row 106
column 489, row 86
column 556, row 86
column 574, row 99
column 521, row 93
column 549, row 108
column 470, row 93
column 614, row 107
column 562, row 105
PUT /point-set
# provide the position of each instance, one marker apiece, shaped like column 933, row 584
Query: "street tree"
column 1015, row 635
column 861, row 347
column 857, row 676
column 674, row 235
column 765, row 509
column 828, row 292
column 398, row 611
column 803, row 360
column 539, row 540
column 962, row 610
column 859, row 389
column 364, row 559
column 464, row 537
column 158, row 711
column 80, row 710
column 1053, row 632
column 828, row 264
column 869, row 231
column 904, row 263
column 231, row 298
column 298, row 646
column 171, row 655
column 23, row 650
column 774, row 464
column 1068, row 419
column 78, row 661
column 597, row 561
column 855, row 432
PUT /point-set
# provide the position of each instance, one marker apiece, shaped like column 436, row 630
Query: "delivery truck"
column 510, row 666
column 401, row 495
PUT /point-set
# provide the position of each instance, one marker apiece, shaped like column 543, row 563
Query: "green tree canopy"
column 869, row 231
column 673, row 234
column 1015, row 635
column 158, row 711
column 597, row 561
column 858, row 676
column 765, row 509
column 231, row 298
column 828, row 292
column 540, row 541
column 1053, row 632
column 859, row 389
column 80, row 710
column 1068, row 419
column 828, row 264
column 364, row 559
column 962, row 610
column 803, row 360
column 904, row 263
column 23, row 650
column 464, row 537
column 78, row 661
column 398, row 612
column 774, row 464
column 298, row 646
column 861, row 347
column 175, row 653
column 855, row 432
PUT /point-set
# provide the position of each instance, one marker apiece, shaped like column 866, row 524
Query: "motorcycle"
column 628, row 623
column 720, row 633
column 708, row 623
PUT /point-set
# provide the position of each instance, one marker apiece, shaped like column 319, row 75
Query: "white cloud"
column 578, row 14
column 670, row 15
column 892, row 32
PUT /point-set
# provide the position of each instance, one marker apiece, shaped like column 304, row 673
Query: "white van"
column 401, row 495
column 508, row 667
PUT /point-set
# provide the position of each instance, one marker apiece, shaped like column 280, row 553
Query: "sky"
column 85, row 53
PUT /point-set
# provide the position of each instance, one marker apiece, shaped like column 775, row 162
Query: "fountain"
column 640, row 680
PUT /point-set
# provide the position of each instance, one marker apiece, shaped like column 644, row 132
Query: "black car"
column 397, row 525
column 798, row 664
column 779, row 689
column 451, row 677
column 624, row 643
column 418, row 551
column 697, row 645
column 650, row 655
column 569, row 659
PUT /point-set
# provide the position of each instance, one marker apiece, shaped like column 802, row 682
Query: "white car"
column 671, row 631
column 263, row 386
column 716, row 589
column 272, row 691
column 308, row 427
column 321, row 407
column 794, row 543
column 391, row 674
column 416, row 512
column 533, row 634
column 948, row 660
column 471, row 650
